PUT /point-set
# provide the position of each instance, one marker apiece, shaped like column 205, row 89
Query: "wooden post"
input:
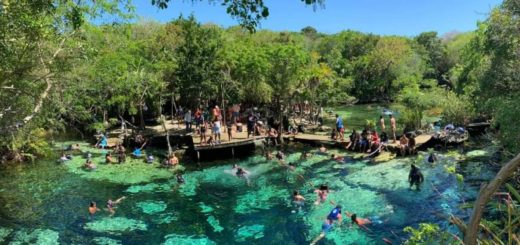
column 233, row 152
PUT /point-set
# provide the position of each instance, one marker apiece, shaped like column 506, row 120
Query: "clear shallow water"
column 46, row 203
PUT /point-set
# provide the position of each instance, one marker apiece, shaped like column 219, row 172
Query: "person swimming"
column 280, row 156
column 111, row 205
column 89, row 165
column 359, row 221
column 432, row 158
column 415, row 177
column 335, row 214
column 326, row 227
column 92, row 208
column 322, row 149
column 150, row 159
column 322, row 192
column 180, row 179
column 298, row 199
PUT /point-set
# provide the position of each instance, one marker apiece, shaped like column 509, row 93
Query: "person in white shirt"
column 187, row 120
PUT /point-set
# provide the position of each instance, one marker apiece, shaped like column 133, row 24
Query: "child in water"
column 322, row 192
column 298, row 199
column 111, row 205
column 92, row 209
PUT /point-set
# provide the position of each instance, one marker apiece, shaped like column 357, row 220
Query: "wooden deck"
column 239, row 139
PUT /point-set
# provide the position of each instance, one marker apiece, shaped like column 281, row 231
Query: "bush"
column 429, row 234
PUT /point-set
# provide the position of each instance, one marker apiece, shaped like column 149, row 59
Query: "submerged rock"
column 249, row 232
column 215, row 224
column 116, row 225
column 175, row 239
column 106, row 241
column 37, row 236
column 152, row 207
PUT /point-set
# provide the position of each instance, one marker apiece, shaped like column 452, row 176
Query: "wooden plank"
column 228, row 144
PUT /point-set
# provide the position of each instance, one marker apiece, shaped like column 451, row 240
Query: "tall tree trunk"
column 163, row 120
column 141, row 115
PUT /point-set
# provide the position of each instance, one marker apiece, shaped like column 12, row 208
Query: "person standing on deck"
column 198, row 119
column 393, row 127
column 339, row 127
column 216, row 113
column 251, row 122
column 187, row 120
column 382, row 123
column 236, row 113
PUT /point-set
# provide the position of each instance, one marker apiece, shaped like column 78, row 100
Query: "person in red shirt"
column 374, row 141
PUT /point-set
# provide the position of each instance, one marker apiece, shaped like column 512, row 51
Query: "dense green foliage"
column 60, row 72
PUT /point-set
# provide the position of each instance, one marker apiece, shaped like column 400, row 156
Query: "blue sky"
column 386, row 17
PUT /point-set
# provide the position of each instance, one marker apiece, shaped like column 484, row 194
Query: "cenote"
column 47, row 203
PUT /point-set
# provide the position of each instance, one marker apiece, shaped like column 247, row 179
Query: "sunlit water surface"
column 47, row 203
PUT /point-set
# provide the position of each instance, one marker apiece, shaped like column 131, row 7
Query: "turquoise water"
column 47, row 203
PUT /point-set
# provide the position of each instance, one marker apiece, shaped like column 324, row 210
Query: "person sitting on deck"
column 403, row 144
column 363, row 143
column 273, row 135
column 374, row 142
column 210, row 141
column 415, row 177
column 352, row 141
column 150, row 159
column 108, row 158
column 411, row 144
column 89, row 165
